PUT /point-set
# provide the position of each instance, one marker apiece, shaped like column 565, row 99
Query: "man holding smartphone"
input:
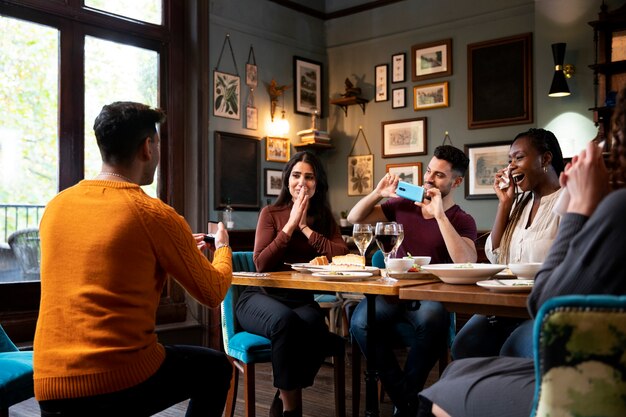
column 435, row 227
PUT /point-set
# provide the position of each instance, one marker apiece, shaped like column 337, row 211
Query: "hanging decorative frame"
column 252, row 117
column 251, row 70
column 226, row 88
column 360, row 169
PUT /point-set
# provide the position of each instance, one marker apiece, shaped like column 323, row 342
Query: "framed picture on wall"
column 485, row 160
column 404, row 137
column 382, row 87
column 239, row 186
column 273, row 181
column 307, row 79
column 397, row 67
column 430, row 96
column 360, row 174
column 398, row 98
column 277, row 149
column 226, row 95
column 431, row 60
column 410, row 172
column 497, row 66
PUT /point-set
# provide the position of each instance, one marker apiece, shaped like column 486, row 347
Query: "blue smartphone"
column 410, row 191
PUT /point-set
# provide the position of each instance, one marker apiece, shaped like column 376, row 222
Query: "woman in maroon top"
column 297, row 228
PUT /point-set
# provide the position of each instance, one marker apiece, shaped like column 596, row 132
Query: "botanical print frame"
column 382, row 86
column 360, row 174
column 499, row 82
column 226, row 95
column 410, row 172
column 397, row 68
column 431, row 60
column 238, row 186
column 485, row 160
column 404, row 137
column 277, row 149
column 273, row 181
column 430, row 96
column 308, row 81
column 398, row 98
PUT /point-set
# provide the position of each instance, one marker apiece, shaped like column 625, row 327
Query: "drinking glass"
column 363, row 235
column 386, row 235
column 400, row 239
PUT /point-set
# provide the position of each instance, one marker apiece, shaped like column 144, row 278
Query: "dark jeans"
column 188, row 372
column 298, row 333
column 430, row 322
column 484, row 336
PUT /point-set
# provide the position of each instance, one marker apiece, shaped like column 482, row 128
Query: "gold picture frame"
column 277, row 149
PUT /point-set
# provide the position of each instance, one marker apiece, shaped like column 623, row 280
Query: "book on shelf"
column 314, row 139
column 312, row 132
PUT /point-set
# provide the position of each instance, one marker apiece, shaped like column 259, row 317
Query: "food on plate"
column 319, row 260
column 414, row 268
column 350, row 260
column 465, row 266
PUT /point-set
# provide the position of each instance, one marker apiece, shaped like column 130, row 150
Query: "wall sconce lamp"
column 278, row 128
column 559, row 86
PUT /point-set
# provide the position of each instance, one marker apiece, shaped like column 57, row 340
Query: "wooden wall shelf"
column 345, row 102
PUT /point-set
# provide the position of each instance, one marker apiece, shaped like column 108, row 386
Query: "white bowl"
column 399, row 264
column 463, row 273
column 419, row 260
column 525, row 271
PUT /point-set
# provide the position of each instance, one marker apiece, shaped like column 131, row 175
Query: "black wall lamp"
column 559, row 86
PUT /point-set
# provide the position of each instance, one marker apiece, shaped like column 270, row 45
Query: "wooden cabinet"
column 609, row 68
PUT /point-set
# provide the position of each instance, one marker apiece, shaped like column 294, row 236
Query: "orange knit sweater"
column 106, row 250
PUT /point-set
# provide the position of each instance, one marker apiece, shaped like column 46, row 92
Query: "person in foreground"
column 585, row 258
column 437, row 228
column 523, row 231
column 107, row 249
column 297, row 228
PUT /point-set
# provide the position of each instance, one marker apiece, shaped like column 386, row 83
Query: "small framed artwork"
column 431, row 60
column 251, row 118
column 485, row 160
column 277, row 149
column 398, row 65
column 430, row 96
column 273, row 181
column 404, row 137
column 410, row 172
column 381, row 82
column 360, row 174
column 251, row 75
column 307, row 79
column 398, row 98
column 226, row 95
column 494, row 66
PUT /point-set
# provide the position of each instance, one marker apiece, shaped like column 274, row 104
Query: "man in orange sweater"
column 106, row 251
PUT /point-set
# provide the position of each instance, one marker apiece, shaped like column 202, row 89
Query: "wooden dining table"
column 369, row 287
column 470, row 299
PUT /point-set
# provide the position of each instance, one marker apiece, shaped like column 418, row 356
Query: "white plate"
column 307, row 267
column 343, row 276
column 507, row 285
column 346, row 268
column 463, row 273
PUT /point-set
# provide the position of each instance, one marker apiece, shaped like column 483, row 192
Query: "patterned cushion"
column 580, row 357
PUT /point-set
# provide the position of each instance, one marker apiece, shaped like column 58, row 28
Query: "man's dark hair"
column 121, row 128
column 455, row 156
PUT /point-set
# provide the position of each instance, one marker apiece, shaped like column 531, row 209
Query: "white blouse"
column 531, row 244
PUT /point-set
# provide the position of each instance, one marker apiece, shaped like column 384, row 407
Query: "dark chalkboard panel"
column 500, row 82
column 237, row 169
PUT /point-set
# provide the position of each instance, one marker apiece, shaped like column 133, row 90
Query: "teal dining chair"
column 16, row 374
column 405, row 335
column 579, row 344
column 245, row 349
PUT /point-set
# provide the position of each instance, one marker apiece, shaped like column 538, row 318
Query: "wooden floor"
column 318, row 399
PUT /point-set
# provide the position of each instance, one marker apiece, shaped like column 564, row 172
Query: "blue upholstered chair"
column 405, row 335
column 246, row 349
column 580, row 357
column 16, row 374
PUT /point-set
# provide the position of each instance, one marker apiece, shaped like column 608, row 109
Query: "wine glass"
column 400, row 239
column 363, row 235
column 386, row 236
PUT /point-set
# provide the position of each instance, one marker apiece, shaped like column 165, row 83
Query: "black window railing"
column 18, row 216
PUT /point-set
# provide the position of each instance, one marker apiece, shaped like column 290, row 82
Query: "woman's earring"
column 545, row 169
